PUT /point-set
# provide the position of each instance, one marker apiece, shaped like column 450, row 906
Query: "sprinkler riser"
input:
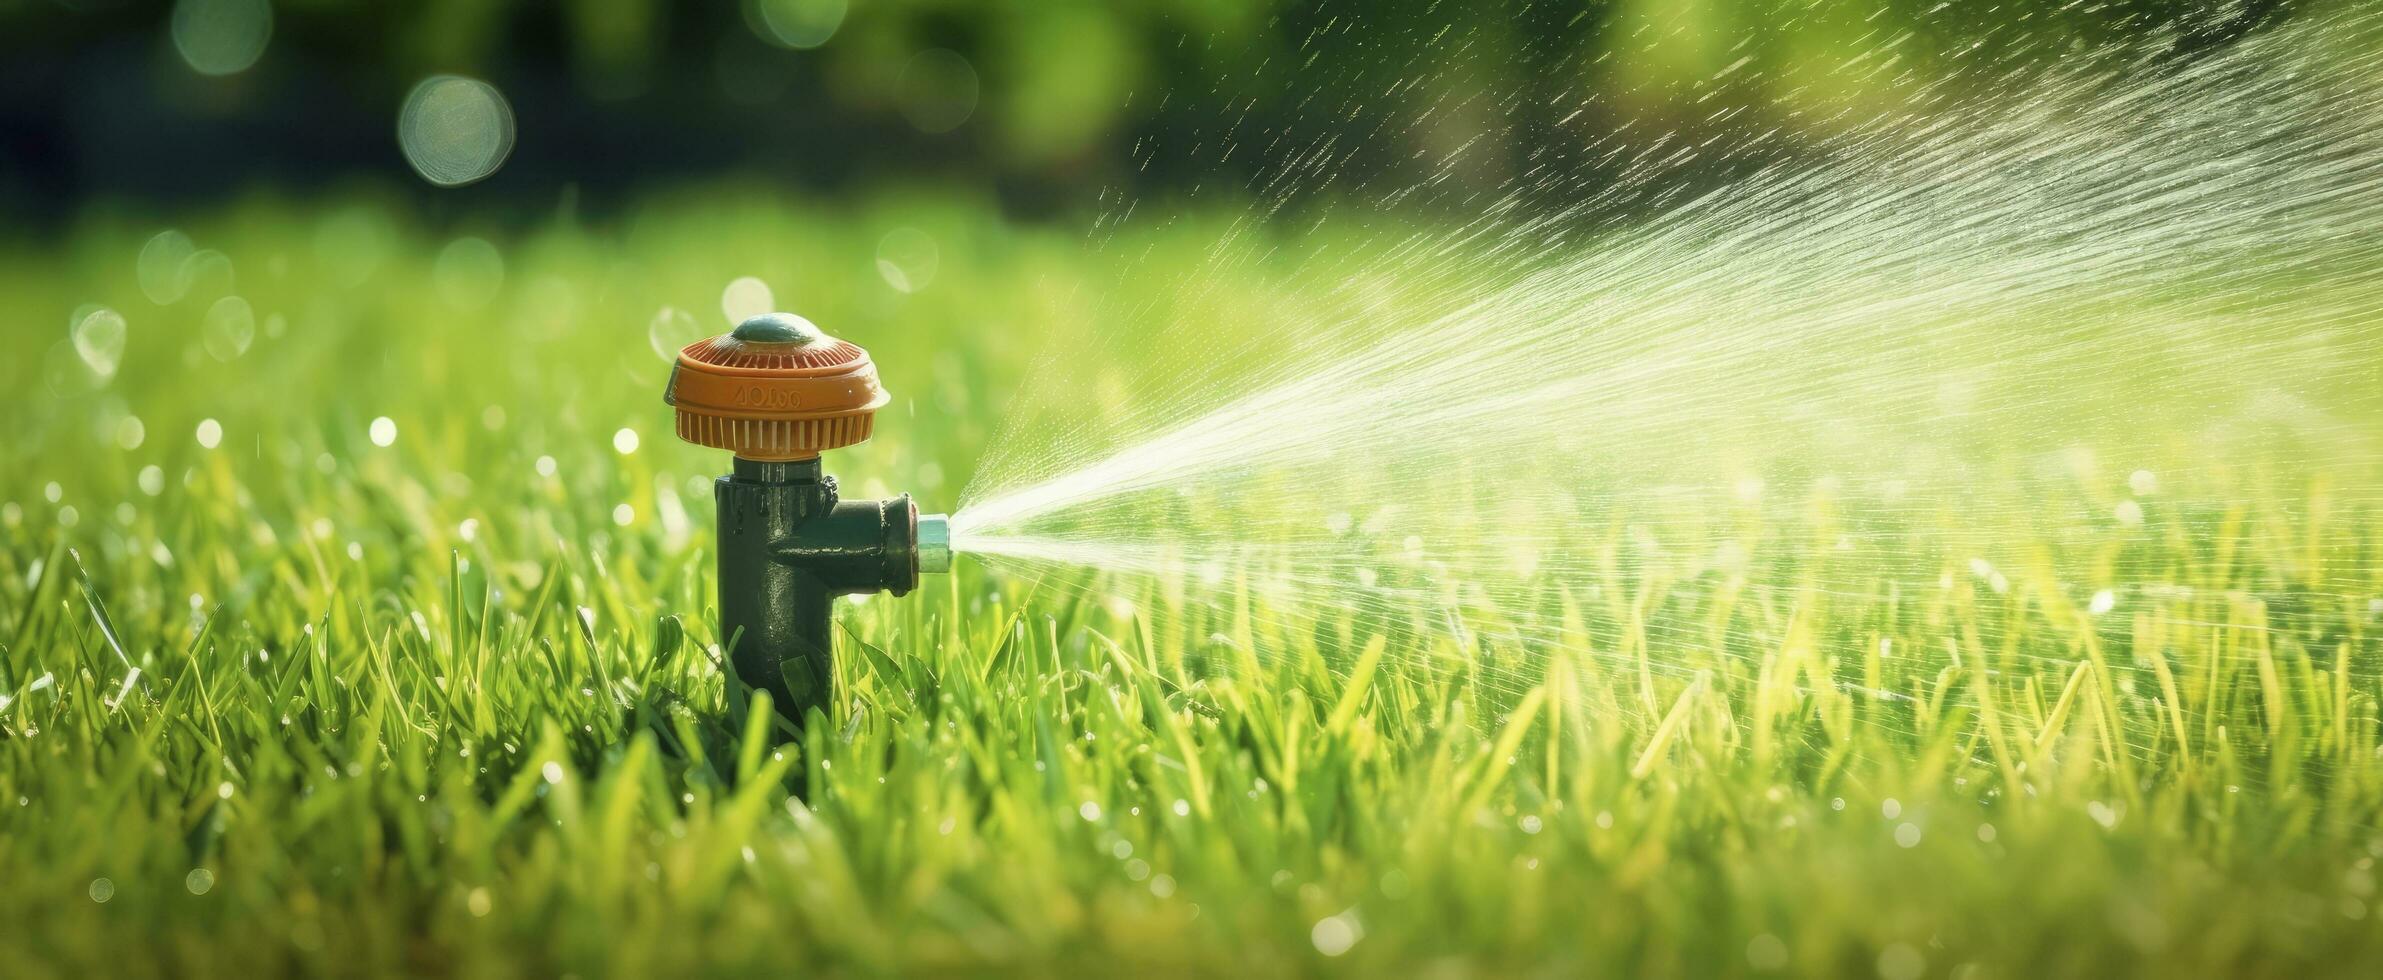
column 788, row 547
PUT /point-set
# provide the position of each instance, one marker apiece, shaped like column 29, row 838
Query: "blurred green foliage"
column 1048, row 94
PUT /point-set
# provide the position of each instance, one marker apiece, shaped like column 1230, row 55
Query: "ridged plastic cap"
column 776, row 388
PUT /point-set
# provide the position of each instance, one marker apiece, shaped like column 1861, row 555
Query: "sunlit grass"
column 396, row 661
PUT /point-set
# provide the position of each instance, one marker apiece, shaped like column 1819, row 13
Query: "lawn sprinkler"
column 777, row 392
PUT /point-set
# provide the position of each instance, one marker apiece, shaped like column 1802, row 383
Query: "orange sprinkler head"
column 775, row 389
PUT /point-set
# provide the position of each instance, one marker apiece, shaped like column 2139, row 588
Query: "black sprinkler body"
column 788, row 547
column 777, row 392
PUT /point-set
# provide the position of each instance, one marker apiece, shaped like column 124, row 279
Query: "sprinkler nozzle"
column 934, row 543
column 777, row 392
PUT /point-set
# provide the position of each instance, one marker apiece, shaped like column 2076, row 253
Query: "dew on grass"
column 469, row 530
column 199, row 881
column 69, row 517
column 210, row 433
column 1890, row 808
column 546, row 466
column 53, row 492
column 101, row 889
column 455, row 130
column 2103, row 601
column 492, row 418
column 1089, row 810
column 383, row 431
column 2129, row 513
column 623, row 514
column 1907, row 835
column 130, row 432
column 11, row 514
column 1182, row 808
column 624, row 441
column 552, row 772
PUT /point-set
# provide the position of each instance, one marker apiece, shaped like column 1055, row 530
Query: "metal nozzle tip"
column 934, row 543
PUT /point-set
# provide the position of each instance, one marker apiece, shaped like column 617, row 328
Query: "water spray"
column 777, row 392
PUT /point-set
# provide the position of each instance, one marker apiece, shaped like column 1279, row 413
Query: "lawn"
column 364, row 626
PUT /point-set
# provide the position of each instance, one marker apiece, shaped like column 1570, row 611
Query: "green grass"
column 284, row 713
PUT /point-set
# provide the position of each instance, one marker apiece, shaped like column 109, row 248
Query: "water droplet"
column 221, row 37
column 210, row 433
column 624, row 442
column 552, row 771
column 102, row 889
column 545, row 466
column 229, row 328
column 1089, row 810
column 623, row 514
column 130, row 432
column 2143, row 482
column 907, row 259
column 384, row 431
column 200, row 881
column 1907, row 835
column 746, row 298
column 455, row 130
column 99, row 341
column 798, row 24
column 2103, row 601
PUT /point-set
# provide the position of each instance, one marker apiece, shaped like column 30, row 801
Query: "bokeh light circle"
column 907, row 259
column 221, row 37
column 745, row 298
column 455, row 130
column 798, row 24
column 938, row 90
